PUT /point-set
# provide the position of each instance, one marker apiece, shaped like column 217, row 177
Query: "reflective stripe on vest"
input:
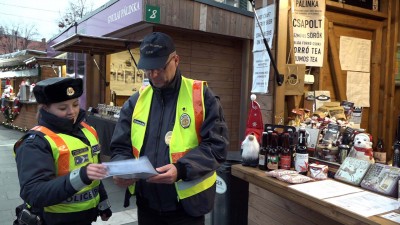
column 185, row 134
column 83, row 196
column 63, row 152
column 70, row 153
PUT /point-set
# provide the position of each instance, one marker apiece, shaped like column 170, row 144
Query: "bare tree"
column 16, row 37
column 75, row 11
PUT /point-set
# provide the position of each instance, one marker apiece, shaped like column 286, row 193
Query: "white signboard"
column 261, row 59
column 266, row 16
column 261, row 66
column 308, row 32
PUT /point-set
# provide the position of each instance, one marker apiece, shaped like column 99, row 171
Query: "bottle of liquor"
column 396, row 146
column 262, row 157
column 379, row 145
column 344, row 147
column 301, row 160
column 285, row 159
column 380, row 152
column 273, row 159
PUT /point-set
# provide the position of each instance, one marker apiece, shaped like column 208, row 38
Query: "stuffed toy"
column 250, row 150
column 362, row 148
column 255, row 125
column 254, row 128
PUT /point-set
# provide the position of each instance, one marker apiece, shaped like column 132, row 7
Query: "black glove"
column 105, row 214
column 104, row 209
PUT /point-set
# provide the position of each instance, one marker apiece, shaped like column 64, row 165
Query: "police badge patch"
column 70, row 91
column 81, row 159
column 95, row 149
column 79, row 151
column 185, row 120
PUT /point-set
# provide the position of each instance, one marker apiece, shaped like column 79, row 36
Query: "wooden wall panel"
column 335, row 78
column 188, row 15
column 217, row 60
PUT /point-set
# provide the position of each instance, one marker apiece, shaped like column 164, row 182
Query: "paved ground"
column 9, row 187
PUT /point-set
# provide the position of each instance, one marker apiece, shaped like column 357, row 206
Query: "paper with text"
column 131, row 168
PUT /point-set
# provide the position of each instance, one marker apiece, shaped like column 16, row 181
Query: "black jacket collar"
column 172, row 87
column 60, row 125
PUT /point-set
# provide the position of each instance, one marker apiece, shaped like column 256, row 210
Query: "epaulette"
column 28, row 136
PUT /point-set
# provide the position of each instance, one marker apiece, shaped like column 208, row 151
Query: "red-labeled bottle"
column 286, row 157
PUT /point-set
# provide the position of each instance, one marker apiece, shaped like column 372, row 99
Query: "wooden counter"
column 272, row 202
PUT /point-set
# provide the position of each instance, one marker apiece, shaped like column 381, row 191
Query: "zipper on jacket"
column 158, row 144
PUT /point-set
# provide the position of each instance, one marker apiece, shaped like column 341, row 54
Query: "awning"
column 17, row 58
column 80, row 43
column 20, row 73
column 45, row 61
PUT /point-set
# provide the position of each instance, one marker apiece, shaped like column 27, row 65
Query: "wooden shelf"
column 354, row 10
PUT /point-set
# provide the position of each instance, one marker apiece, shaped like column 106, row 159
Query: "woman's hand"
column 96, row 171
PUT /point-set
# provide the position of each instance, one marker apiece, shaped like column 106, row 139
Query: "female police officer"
column 57, row 160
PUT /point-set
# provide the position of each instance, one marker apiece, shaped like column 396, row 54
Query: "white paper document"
column 355, row 54
column 365, row 203
column 131, row 168
column 392, row 216
column 325, row 189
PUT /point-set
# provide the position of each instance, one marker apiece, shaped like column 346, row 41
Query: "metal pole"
column 134, row 61
column 279, row 77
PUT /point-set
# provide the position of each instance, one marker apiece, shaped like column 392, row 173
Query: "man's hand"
column 123, row 182
column 168, row 175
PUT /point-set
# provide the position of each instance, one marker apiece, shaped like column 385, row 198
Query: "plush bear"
column 362, row 148
column 250, row 150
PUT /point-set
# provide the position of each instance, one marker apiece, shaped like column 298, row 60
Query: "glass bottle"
column 396, row 146
column 285, row 159
column 273, row 159
column 301, row 159
column 262, row 156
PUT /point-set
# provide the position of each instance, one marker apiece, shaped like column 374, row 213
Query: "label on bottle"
column 261, row 160
column 285, row 162
column 301, row 163
column 273, row 162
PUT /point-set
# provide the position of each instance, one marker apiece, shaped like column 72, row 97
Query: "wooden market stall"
column 273, row 202
column 211, row 46
column 23, row 69
column 381, row 27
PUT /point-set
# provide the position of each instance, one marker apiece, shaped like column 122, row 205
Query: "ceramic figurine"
column 362, row 148
column 250, row 150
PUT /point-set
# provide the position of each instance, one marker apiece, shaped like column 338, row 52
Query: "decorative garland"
column 10, row 114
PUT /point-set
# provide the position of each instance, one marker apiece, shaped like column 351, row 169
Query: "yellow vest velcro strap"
column 190, row 188
column 76, row 180
column 82, row 197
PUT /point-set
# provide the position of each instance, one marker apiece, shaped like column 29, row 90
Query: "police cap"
column 57, row 89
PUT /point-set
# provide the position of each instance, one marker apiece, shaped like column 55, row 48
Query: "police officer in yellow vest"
column 179, row 125
column 57, row 160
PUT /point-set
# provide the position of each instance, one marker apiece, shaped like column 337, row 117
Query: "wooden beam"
column 281, row 43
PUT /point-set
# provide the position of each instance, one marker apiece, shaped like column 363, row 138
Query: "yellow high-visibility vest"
column 70, row 153
column 185, row 134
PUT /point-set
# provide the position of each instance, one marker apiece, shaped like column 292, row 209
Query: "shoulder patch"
column 31, row 137
column 27, row 137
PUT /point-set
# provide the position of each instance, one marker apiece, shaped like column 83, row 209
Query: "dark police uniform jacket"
column 198, row 162
column 37, row 172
